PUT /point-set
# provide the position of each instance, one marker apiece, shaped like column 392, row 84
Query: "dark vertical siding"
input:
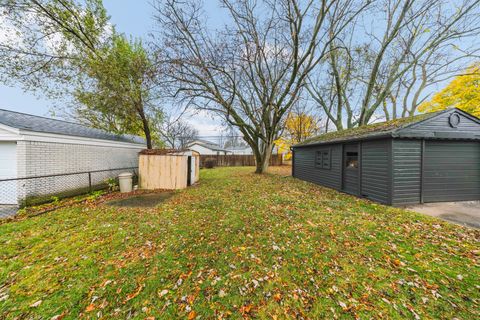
column 376, row 170
column 305, row 166
column 452, row 171
column 407, row 168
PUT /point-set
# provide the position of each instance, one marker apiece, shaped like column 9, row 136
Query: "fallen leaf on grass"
column 162, row 293
column 192, row 315
column 58, row 316
column 90, row 308
column 311, row 224
column 36, row 304
column 277, row 297
column 246, row 309
column 134, row 294
column 191, row 299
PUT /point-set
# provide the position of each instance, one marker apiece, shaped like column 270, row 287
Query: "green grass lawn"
column 239, row 245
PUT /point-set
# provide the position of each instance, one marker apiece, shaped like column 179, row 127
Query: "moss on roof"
column 368, row 130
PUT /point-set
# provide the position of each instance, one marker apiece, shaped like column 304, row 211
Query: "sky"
column 134, row 18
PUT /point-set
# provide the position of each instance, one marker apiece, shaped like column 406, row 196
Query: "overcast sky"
column 132, row 17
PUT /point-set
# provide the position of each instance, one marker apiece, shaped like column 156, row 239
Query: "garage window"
column 323, row 159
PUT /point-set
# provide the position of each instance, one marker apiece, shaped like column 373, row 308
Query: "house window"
column 322, row 159
column 351, row 160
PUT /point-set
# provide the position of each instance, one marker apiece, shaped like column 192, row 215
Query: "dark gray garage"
column 427, row 158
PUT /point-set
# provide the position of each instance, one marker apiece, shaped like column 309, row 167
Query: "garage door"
column 452, row 171
column 8, row 169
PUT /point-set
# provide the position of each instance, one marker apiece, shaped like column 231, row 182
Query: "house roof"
column 208, row 144
column 28, row 122
column 375, row 130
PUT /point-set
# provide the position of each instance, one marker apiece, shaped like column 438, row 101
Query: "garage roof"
column 394, row 128
column 33, row 123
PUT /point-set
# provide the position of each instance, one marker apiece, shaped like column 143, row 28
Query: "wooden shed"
column 168, row 169
column 427, row 158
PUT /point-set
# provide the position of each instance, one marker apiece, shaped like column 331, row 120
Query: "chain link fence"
column 28, row 191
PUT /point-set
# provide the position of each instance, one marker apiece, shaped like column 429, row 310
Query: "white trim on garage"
column 8, row 133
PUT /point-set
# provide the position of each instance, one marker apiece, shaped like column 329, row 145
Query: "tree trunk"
column 263, row 158
column 146, row 126
column 148, row 136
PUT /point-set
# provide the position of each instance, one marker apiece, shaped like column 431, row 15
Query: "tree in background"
column 44, row 42
column 119, row 91
column 383, row 63
column 68, row 49
column 252, row 70
column 463, row 93
column 176, row 133
column 298, row 128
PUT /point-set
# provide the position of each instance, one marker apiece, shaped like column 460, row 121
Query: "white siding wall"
column 204, row 151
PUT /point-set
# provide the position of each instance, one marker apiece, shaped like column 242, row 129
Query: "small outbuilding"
column 168, row 169
column 426, row 158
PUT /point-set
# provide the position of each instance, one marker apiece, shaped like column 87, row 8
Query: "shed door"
column 189, row 171
column 451, row 171
column 192, row 169
column 350, row 168
column 8, row 169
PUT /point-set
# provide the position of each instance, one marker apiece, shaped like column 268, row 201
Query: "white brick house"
column 32, row 146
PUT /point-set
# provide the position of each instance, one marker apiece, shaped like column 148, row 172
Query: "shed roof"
column 34, row 123
column 162, row 152
column 375, row 130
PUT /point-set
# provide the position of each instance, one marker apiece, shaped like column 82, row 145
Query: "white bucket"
column 125, row 180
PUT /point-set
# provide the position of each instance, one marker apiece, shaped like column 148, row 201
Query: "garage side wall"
column 407, row 171
column 44, row 158
column 305, row 168
column 376, row 170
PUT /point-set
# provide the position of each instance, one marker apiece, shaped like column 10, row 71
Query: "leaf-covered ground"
column 239, row 245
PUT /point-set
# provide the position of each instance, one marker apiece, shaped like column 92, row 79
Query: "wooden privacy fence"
column 237, row 160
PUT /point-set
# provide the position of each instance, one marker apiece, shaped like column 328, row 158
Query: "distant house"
column 32, row 146
column 427, row 158
column 207, row 148
column 241, row 150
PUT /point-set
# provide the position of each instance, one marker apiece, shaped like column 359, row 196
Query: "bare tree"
column 386, row 60
column 253, row 70
column 176, row 133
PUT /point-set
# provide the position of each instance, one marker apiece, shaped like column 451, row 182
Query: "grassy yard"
column 239, row 245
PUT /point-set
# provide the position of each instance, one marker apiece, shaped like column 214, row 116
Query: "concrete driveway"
column 465, row 213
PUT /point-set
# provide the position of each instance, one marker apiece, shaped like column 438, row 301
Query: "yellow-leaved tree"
column 463, row 92
column 298, row 127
